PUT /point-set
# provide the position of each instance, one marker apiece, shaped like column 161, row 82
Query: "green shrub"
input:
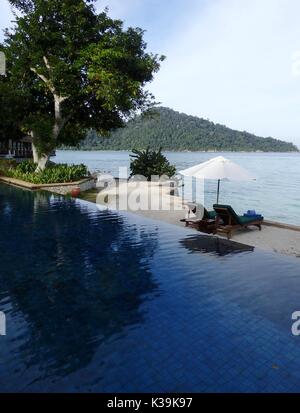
column 150, row 162
column 26, row 167
column 6, row 164
column 54, row 173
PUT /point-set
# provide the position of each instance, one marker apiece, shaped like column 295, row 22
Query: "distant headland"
column 175, row 131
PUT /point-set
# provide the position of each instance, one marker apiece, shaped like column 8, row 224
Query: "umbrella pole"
column 218, row 191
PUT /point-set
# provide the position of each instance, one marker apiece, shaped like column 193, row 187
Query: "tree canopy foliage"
column 13, row 105
column 77, row 69
column 176, row 131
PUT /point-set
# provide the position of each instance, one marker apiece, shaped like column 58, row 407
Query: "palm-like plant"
column 150, row 162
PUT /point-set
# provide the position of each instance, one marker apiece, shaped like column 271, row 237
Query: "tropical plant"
column 150, row 163
column 6, row 165
column 25, row 167
column 75, row 69
column 54, row 173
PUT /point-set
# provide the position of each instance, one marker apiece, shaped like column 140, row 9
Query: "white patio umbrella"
column 218, row 168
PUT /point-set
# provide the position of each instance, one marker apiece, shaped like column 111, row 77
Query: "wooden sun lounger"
column 205, row 221
column 227, row 221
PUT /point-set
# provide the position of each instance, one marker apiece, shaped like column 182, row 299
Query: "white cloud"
column 234, row 65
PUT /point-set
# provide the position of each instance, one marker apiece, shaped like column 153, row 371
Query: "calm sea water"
column 275, row 193
column 99, row 301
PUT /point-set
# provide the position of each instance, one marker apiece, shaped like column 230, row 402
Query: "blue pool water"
column 98, row 301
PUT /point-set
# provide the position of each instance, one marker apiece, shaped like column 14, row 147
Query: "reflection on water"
column 213, row 245
column 106, row 302
column 76, row 276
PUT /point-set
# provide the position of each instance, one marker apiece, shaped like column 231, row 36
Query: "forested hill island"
column 174, row 131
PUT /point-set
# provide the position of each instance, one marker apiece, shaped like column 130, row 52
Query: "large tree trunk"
column 42, row 162
column 34, row 152
column 59, row 121
column 40, row 159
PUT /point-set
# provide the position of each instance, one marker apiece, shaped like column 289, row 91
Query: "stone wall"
column 63, row 189
column 66, row 189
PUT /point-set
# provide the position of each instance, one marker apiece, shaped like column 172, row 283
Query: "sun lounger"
column 199, row 212
column 203, row 220
column 209, row 214
column 227, row 221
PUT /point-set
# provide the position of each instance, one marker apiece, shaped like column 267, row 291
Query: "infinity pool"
column 97, row 301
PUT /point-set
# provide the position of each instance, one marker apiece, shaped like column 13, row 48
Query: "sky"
column 235, row 62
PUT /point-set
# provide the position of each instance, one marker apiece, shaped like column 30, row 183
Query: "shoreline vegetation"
column 53, row 173
column 167, row 150
column 178, row 132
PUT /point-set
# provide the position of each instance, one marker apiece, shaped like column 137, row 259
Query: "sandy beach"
column 271, row 238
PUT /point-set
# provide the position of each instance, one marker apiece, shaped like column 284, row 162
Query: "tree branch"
column 47, row 64
column 66, row 119
column 60, row 122
column 44, row 79
column 60, row 99
column 39, row 75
